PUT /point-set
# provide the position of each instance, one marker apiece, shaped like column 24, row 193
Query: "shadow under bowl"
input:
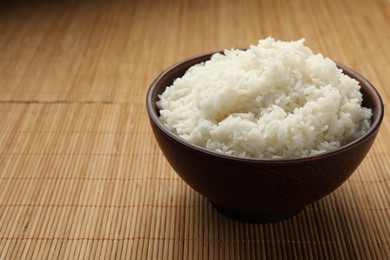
column 255, row 189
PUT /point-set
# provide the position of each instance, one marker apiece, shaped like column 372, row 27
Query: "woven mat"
column 81, row 175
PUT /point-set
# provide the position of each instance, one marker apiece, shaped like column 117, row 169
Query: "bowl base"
column 256, row 217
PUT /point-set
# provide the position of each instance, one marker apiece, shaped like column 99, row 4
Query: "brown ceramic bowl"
column 254, row 189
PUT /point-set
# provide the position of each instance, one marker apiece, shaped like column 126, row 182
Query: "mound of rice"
column 275, row 100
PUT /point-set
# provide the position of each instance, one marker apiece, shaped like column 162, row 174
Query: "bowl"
column 260, row 190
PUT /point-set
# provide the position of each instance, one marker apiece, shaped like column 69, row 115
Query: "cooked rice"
column 274, row 100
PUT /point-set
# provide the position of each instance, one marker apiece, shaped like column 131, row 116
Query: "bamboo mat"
column 81, row 176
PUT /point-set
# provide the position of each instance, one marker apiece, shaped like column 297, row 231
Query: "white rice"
column 275, row 100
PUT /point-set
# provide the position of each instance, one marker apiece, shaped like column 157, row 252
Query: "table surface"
column 81, row 175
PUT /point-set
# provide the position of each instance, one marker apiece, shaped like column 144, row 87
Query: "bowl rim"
column 363, row 82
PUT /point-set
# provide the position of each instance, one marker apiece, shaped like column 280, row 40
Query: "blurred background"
column 62, row 44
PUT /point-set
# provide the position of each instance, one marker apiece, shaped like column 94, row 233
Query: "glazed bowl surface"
column 256, row 189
